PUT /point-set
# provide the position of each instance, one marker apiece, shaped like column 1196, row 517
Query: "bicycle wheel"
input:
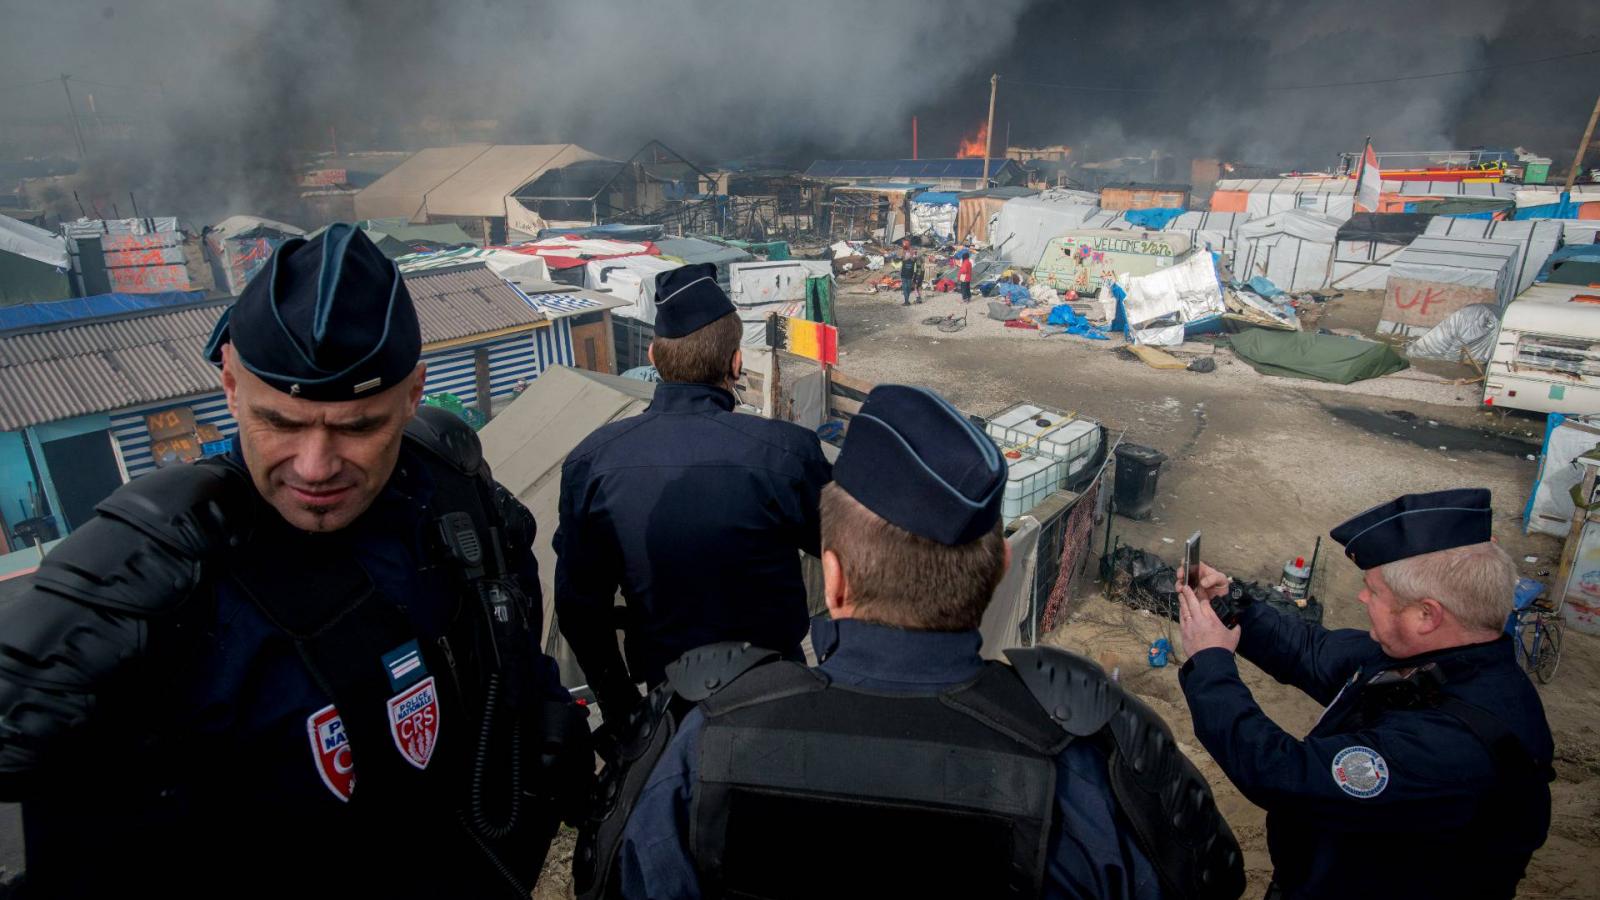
column 1528, row 635
column 1547, row 651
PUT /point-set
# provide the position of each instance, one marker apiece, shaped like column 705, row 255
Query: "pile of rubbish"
column 1142, row 580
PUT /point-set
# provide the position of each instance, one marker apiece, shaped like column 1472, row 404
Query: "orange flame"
column 973, row 146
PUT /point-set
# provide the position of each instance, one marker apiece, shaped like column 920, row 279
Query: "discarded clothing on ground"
column 1015, row 294
column 1022, row 323
column 1331, row 358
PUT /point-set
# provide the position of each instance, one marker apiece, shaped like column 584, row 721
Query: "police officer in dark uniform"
column 699, row 514
column 1428, row 773
column 904, row 765
column 310, row 665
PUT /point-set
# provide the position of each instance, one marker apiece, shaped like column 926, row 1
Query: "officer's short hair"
column 701, row 356
column 906, row 580
column 1476, row 582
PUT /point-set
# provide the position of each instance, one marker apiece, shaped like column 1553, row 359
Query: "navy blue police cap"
column 325, row 319
column 915, row 460
column 688, row 299
column 1416, row 524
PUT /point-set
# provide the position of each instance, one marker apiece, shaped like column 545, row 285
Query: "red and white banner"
column 1369, row 184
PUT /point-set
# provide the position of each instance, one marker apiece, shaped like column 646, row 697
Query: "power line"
column 1313, row 87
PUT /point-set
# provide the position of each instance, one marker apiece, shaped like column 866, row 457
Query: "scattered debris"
column 1155, row 358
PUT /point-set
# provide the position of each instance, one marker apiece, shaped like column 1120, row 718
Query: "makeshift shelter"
column 771, row 287
column 1026, row 224
column 691, row 250
column 1209, row 230
column 567, row 256
column 33, row 264
column 1258, row 197
column 1293, row 249
column 1539, row 239
column 1413, row 196
column 934, row 212
column 1436, row 276
column 1320, row 357
column 1177, row 295
column 1083, row 259
column 520, row 269
column 977, row 208
column 1367, row 244
column 239, row 247
column 128, row 256
column 630, row 278
column 963, row 174
column 1579, row 264
column 470, row 183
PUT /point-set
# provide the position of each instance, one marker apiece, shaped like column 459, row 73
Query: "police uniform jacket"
column 1091, row 854
column 1390, row 794
column 698, row 514
column 224, row 767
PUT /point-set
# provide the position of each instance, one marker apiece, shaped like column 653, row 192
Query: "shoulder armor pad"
column 1167, row 802
column 1073, row 690
column 142, row 554
column 445, row 436
column 703, row 671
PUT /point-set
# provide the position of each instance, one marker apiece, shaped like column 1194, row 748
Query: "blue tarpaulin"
column 28, row 315
column 942, row 198
column 1565, row 209
column 1580, row 252
column 1153, row 219
column 1262, row 286
column 1075, row 324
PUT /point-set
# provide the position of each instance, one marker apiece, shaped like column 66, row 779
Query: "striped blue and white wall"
column 522, row 357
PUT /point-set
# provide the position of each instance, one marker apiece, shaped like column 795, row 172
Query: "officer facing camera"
column 310, row 664
column 1433, row 745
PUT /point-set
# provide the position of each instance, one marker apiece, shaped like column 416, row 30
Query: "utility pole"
column 1577, row 161
column 988, row 130
column 77, row 130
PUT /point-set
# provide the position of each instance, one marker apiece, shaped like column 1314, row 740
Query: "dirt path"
column 1262, row 465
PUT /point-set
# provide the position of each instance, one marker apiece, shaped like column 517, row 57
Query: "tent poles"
column 1577, row 160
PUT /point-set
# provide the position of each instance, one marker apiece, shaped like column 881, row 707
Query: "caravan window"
column 1553, row 354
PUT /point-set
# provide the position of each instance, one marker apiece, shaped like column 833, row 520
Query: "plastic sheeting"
column 1209, row 230
column 1550, row 506
column 1295, row 249
column 1152, row 219
column 1188, row 289
column 630, row 278
column 1025, row 225
column 32, row 242
column 938, row 219
column 1472, row 327
column 1320, row 357
column 1539, row 239
column 1436, row 276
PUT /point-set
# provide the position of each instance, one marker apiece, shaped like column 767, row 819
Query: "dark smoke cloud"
column 1216, row 64
column 224, row 97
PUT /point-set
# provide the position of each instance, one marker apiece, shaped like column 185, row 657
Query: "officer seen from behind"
column 1428, row 773
column 310, row 664
column 905, row 765
column 696, row 512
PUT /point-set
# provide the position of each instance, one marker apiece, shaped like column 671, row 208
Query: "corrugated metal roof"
column 101, row 365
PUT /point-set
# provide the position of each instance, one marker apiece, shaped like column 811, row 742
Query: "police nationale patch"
column 1360, row 772
column 414, row 721
column 330, row 750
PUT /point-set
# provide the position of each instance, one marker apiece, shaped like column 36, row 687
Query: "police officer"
column 697, row 513
column 1427, row 775
column 905, row 765
column 308, row 665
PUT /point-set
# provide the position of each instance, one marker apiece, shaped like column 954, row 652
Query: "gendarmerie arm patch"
column 1360, row 772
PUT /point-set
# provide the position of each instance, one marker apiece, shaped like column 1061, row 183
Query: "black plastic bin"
column 1138, row 470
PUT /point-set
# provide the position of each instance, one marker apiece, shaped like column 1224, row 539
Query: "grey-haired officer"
column 905, row 765
column 697, row 513
column 1428, row 772
column 307, row 665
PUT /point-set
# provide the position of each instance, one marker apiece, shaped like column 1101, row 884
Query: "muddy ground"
column 1262, row 465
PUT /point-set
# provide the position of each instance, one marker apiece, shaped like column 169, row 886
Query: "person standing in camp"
column 964, row 274
column 910, row 273
column 698, row 514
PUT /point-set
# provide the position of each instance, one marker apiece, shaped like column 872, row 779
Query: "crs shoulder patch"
column 1360, row 772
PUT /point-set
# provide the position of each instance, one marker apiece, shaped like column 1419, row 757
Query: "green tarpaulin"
column 1321, row 357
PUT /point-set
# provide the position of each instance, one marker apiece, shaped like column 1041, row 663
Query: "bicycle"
column 1538, row 640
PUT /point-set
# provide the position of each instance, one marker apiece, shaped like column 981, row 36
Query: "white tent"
column 1265, row 196
column 1293, row 249
column 1436, row 276
column 1539, row 238
column 1216, row 230
column 766, row 287
column 630, row 278
column 1026, row 224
